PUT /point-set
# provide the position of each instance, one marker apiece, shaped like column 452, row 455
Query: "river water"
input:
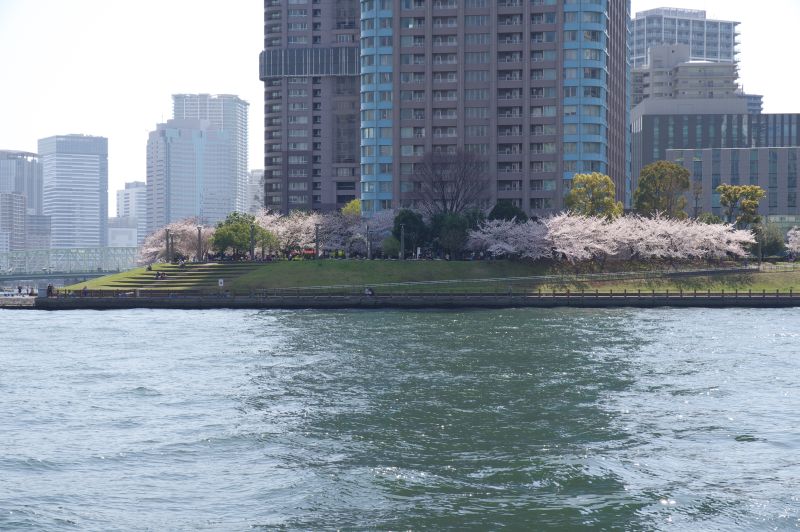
column 528, row 419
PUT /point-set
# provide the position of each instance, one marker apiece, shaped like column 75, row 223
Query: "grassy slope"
column 246, row 277
column 362, row 272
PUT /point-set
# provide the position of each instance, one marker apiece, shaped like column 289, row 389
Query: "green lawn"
column 468, row 276
column 729, row 283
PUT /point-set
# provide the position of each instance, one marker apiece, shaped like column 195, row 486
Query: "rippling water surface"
column 539, row 419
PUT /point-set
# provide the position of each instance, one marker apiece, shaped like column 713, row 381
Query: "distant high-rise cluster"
column 22, row 224
column 689, row 109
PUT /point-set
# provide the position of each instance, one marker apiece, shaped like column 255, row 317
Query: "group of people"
column 28, row 291
column 161, row 275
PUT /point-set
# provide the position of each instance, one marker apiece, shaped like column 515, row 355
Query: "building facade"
column 123, row 232
column 655, row 134
column 708, row 39
column 228, row 113
column 21, row 173
column 12, row 222
column 773, row 169
column 670, row 74
column 538, row 90
column 132, row 204
column 255, row 191
column 310, row 70
column 75, row 189
column 37, row 232
column 189, row 173
column 755, row 104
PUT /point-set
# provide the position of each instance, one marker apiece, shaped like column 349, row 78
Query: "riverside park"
column 359, row 283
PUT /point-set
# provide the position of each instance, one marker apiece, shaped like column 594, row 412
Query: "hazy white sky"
column 109, row 67
column 765, row 50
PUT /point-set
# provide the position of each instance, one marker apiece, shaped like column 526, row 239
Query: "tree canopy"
column 450, row 231
column 415, row 229
column 234, row 234
column 505, row 210
column 741, row 203
column 352, row 208
column 593, row 195
column 451, row 182
column 661, row 190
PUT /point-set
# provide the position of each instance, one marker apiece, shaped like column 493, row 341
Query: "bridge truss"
column 68, row 260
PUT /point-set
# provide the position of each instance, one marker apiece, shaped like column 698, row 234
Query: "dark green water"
column 481, row 420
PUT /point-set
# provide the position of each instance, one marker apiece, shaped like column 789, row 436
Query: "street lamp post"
column 167, row 250
column 402, row 241
column 252, row 242
column 199, row 243
column 369, row 244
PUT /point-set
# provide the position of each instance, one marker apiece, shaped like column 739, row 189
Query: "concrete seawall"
column 760, row 300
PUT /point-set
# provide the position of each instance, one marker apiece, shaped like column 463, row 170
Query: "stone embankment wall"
column 644, row 300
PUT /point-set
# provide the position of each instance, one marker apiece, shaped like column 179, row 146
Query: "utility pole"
column 369, row 244
column 402, row 242
column 316, row 241
column 167, row 250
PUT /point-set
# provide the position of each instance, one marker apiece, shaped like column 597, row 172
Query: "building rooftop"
column 673, row 12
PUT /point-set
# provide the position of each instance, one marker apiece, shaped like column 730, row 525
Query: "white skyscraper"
column 189, row 173
column 228, row 113
column 132, row 203
column 75, row 189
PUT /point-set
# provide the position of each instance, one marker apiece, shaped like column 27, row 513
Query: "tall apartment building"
column 190, row 173
column 708, row 39
column 21, row 173
column 538, row 89
column 310, row 71
column 132, row 204
column 75, row 189
column 228, row 113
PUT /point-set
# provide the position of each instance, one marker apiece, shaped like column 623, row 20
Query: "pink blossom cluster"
column 184, row 234
column 793, row 240
column 296, row 231
column 576, row 238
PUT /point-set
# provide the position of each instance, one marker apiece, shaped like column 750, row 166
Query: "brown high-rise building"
column 537, row 89
column 310, row 71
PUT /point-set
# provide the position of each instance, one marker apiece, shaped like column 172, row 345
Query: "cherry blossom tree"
column 793, row 240
column 577, row 238
column 184, row 235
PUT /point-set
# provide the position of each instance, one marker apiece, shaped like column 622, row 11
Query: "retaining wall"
column 759, row 300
